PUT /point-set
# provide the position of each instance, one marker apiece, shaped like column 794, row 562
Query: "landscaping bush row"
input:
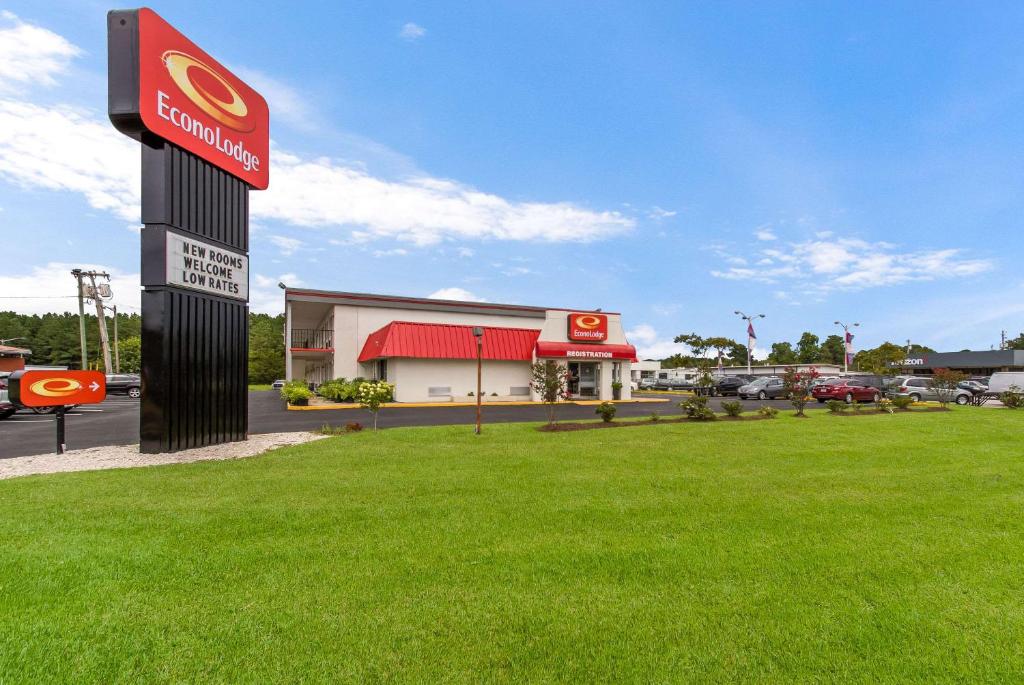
column 297, row 392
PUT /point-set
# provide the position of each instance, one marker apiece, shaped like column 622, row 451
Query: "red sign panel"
column 585, row 352
column 55, row 388
column 588, row 327
column 191, row 100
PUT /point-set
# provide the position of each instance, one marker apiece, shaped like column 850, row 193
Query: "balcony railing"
column 312, row 339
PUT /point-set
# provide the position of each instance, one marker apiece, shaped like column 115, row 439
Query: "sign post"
column 48, row 388
column 205, row 139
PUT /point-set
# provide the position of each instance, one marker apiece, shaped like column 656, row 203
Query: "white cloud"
column 63, row 148
column 649, row 345
column 266, row 297
column 765, row 233
column 52, row 288
column 423, row 211
column 288, row 246
column 852, row 264
column 31, row 55
column 454, row 294
column 657, row 213
column 397, row 252
column 464, row 252
column 411, row 31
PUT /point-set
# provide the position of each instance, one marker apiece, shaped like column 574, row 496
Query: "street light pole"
column 750, row 326
column 77, row 273
column 478, row 333
column 846, row 345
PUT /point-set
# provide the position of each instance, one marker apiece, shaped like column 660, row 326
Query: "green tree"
column 723, row 347
column 782, row 354
column 266, row 348
column 131, row 354
column 833, row 350
column 1016, row 343
column 876, row 360
column 807, row 349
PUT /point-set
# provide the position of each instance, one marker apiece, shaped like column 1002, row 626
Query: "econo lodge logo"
column 588, row 327
column 188, row 74
column 55, row 387
column 216, row 98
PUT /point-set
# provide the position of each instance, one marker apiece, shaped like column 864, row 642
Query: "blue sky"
column 674, row 162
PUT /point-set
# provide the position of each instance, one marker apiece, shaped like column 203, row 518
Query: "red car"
column 847, row 390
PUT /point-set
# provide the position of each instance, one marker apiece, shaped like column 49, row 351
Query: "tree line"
column 54, row 341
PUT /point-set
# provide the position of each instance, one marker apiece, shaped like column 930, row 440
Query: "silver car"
column 920, row 389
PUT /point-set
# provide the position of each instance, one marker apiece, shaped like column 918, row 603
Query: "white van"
column 1001, row 382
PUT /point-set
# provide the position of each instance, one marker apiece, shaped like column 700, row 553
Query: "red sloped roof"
column 446, row 341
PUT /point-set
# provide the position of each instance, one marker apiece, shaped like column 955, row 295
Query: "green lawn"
column 866, row 549
column 260, row 387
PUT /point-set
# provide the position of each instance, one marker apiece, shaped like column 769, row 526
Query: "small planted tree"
column 550, row 381
column 372, row 394
column 944, row 382
column 798, row 386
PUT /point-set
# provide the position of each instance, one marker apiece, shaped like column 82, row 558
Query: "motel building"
column 427, row 350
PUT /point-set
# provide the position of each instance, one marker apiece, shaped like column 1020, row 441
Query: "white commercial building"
column 428, row 350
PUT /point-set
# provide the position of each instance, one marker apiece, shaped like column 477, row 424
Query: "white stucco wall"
column 414, row 377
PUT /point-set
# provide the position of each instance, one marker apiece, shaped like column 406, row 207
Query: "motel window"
column 382, row 369
column 617, row 372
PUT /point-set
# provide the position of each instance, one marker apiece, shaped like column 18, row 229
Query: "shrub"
column 798, row 386
column 606, row 410
column 296, row 392
column 835, row 406
column 338, row 390
column 857, row 406
column 885, row 404
column 902, row 403
column 350, row 427
column 768, row 412
column 372, row 395
column 734, row 408
column 1012, row 398
column 353, row 427
column 655, row 417
column 697, row 408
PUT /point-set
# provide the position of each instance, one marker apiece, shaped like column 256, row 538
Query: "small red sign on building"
column 57, row 388
column 588, row 327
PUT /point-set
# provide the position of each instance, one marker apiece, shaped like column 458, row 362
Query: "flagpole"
column 847, row 340
column 751, row 336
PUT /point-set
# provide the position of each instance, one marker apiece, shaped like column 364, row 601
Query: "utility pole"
column 846, row 345
column 117, row 347
column 478, row 333
column 104, row 339
column 77, row 273
column 750, row 333
column 1002, row 340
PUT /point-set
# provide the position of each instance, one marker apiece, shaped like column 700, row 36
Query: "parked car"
column 825, row 380
column 674, row 383
column 278, row 384
column 6, row 408
column 1002, row 382
column 729, row 385
column 768, row 387
column 974, row 387
column 846, row 389
column 648, row 383
column 920, row 389
column 124, row 384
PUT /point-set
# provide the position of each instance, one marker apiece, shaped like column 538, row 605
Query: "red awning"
column 585, row 352
column 445, row 341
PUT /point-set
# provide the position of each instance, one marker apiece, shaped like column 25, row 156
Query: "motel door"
column 584, row 379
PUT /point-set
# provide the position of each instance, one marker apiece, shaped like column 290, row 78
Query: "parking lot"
column 116, row 420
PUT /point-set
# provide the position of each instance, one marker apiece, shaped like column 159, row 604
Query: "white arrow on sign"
column 95, row 386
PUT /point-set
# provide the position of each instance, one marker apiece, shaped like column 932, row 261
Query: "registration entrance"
column 584, row 380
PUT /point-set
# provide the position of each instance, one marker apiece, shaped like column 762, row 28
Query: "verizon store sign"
column 199, row 265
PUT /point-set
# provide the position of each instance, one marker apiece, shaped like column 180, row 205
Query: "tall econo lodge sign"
column 204, row 137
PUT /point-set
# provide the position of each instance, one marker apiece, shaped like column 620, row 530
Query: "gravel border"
column 128, row 456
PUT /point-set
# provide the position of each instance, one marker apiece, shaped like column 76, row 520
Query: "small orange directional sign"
column 44, row 388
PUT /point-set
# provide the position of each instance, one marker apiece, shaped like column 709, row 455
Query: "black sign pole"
column 60, row 429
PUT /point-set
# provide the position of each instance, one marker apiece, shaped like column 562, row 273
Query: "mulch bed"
column 576, row 426
column 568, row 426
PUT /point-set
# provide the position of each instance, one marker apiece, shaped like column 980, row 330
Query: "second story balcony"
column 319, row 339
